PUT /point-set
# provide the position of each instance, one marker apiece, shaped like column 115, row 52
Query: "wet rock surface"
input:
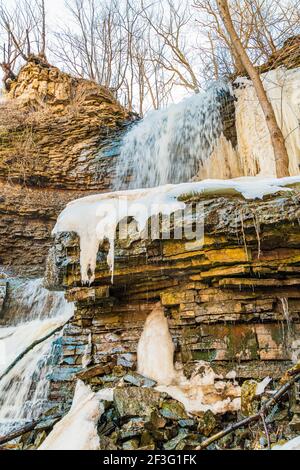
column 233, row 301
column 145, row 419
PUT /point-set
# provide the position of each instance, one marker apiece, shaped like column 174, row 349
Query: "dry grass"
column 77, row 101
column 18, row 150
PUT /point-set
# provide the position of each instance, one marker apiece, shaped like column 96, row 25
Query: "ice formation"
column 223, row 163
column 78, row 429
column 261, row 387
column 254, row 144
column 19, row 400
column 169, row 145
column 205, row 391
column 202, row 392
column 174, row 145
column 156, row 349
column 291, row 445
column 95, row 218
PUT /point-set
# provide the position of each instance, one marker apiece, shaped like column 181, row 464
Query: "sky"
column 55, row 9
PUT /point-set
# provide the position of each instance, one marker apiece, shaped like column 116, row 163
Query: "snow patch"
column 78, row 429
column 291, row 445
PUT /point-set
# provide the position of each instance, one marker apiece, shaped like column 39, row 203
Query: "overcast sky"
column 55, row 9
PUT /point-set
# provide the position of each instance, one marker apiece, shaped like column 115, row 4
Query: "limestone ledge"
column 234, row 301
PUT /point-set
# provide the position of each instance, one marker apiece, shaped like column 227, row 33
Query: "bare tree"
column 263, row 26
column 280, row 151
column 169, row 20
column 24, row 26
column 9, row 58
column 113, row 44
column 148, row 52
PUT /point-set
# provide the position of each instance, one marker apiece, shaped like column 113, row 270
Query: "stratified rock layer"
column 58, row 139
column 233, row 301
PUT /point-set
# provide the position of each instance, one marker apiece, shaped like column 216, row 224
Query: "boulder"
column 133, row 401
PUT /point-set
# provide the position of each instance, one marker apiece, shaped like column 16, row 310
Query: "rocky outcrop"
column 58, row 139
column 55, row 128
column 233, row 301
column 288, row 56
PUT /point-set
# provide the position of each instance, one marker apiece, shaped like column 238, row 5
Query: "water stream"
column 186, row 140
column 24, row 389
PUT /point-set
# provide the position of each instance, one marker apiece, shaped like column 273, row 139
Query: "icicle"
column 95, row 218
column 254, row 142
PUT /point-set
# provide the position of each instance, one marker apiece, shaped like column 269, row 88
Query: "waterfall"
column 29, row 300
column 186, row 140
column 291, row 342
column 169, row 145
column 24, row 389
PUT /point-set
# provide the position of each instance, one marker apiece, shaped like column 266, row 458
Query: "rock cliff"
column 58, row 139
column 233, row 300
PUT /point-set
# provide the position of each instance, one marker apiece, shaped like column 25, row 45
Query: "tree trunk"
column 278, row 142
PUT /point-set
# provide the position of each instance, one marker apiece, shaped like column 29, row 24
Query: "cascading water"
column 24, row 388
column 29, row 300
column 169, row 145
column 186, row 140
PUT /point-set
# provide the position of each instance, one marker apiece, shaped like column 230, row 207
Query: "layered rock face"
column 232, row 299
column 58, row 139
